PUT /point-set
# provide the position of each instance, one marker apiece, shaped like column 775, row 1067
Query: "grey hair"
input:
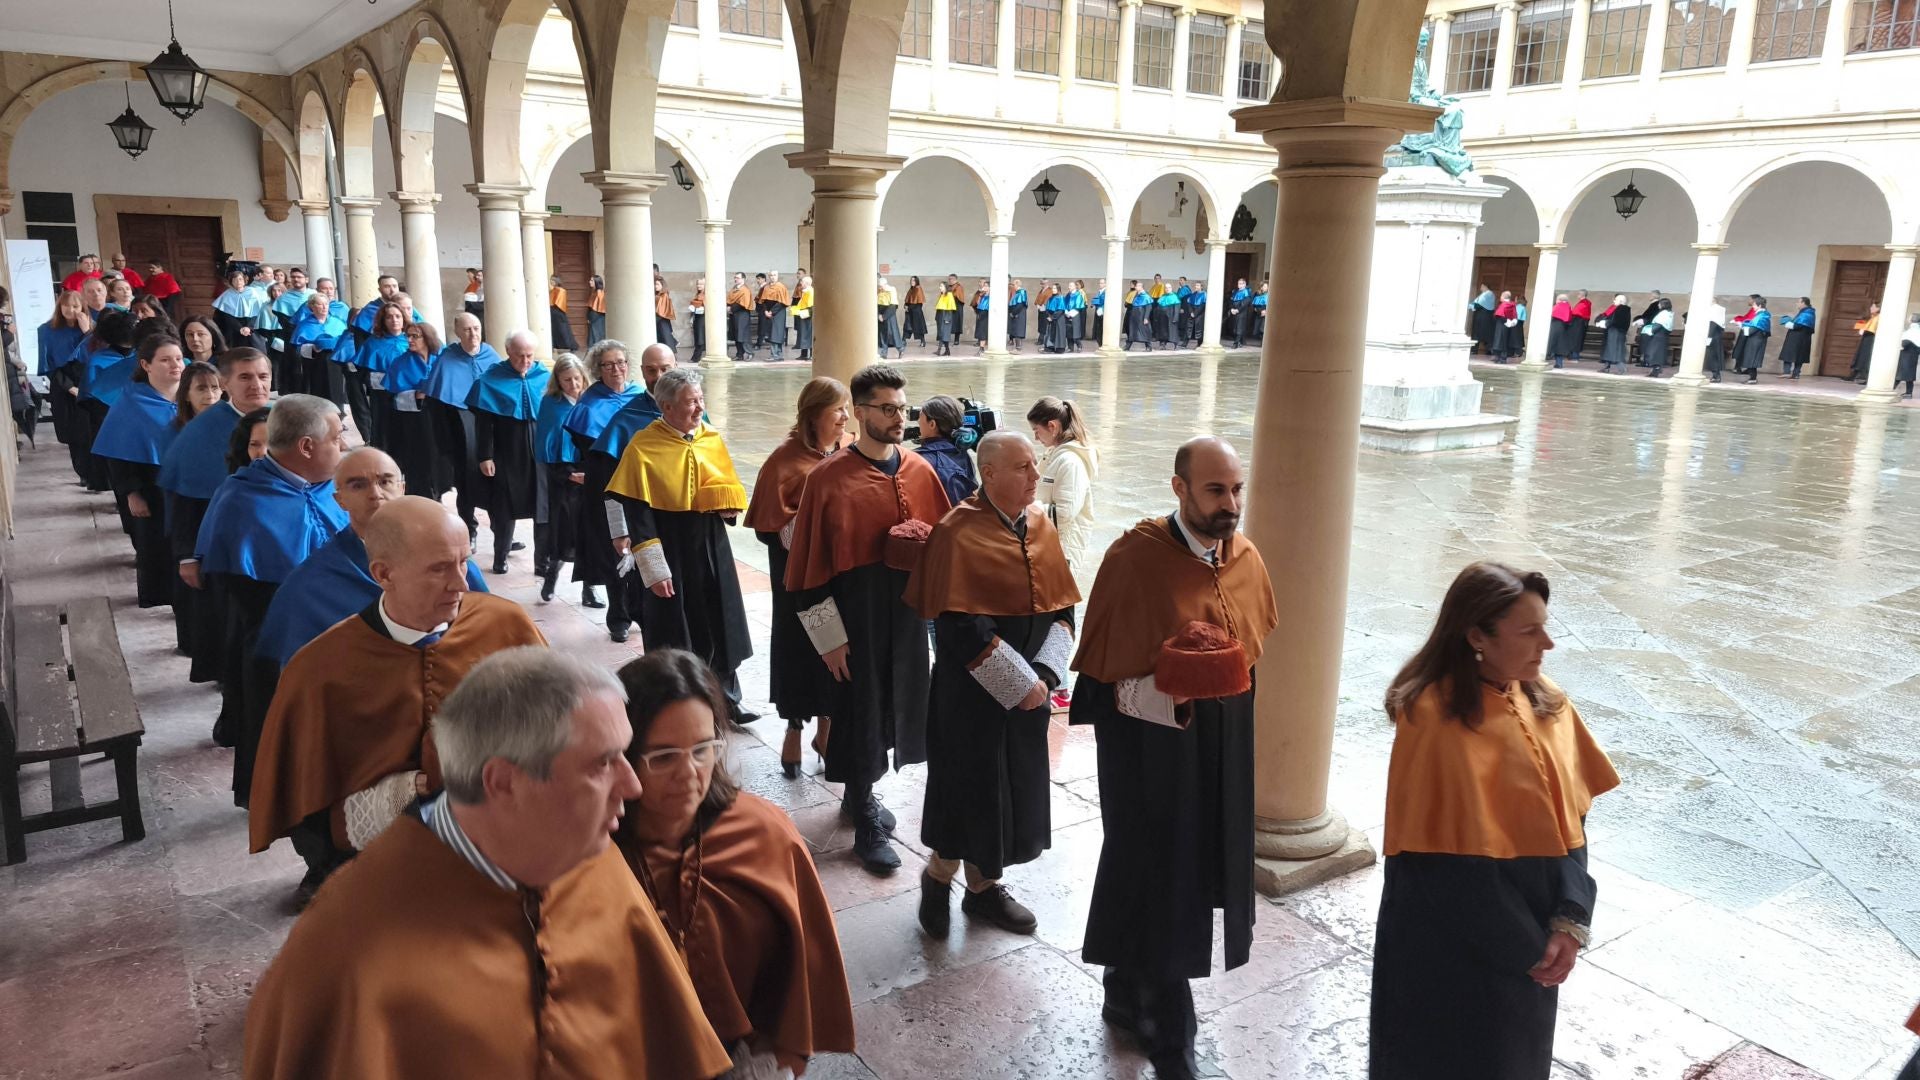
column 671, row 384
column 516, row 705
column 298, row 416
column 463, row 319
column 522, row 335
column 598, row 351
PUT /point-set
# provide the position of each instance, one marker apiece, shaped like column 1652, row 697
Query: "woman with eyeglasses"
column 731, row 879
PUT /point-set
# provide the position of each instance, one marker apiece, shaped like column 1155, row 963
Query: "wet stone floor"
column 1736, row 599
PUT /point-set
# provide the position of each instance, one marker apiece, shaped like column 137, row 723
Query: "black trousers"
column 1159, row 1009
column 360, row 405
column 313, row 839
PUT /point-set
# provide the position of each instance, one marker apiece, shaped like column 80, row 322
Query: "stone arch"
column 1216, row 225
column 358, row 105
column 1102, row 186
column 428, row 51
column 961, row 158
column 1556, row 233
column 702, row 179
column 722, row 198
column 1330, row 49
column 1492, row 220
column 1888, row 188
column 499, row 85
column 51, row 86
column 312, row 136
column 847, row 54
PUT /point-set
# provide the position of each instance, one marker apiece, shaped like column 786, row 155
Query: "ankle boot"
column 589, row 598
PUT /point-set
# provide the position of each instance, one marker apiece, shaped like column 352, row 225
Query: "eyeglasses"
column 703, row 755
column 891, row 412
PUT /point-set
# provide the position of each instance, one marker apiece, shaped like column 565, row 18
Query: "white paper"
column 30, row 269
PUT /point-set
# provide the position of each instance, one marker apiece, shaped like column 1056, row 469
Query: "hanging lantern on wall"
column 680, row 175
column 1045, row 194
column 1626, row 201
column 179, row 83
column 129, row 131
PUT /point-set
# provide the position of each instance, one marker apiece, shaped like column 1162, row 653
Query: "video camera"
column 975, row 421
column 230, row 266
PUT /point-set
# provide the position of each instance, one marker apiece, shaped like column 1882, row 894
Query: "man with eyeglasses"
column 847, row 568
column 345, row 748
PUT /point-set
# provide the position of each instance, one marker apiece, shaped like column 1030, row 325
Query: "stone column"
column 626, row 201
column 500, row 259
column 1654, row 59
column 1123, row 69
column 1304, row 457
column 1437, row 50
column 1833, row 50
column 716, row 355
column 363, row 252
column 707, row 15
column 317, row 219
column 1069, row 54
column 1217, row 292
column 1116, row 314
column 1182, row 64
column 940, row 50
column 1503, row 46
column 846, row 217
column 1575, row 62
column 538, row 275
column 1230, row 86
column 997, row 275
column 1893, row 323
column 1740, row 49
column 1693, row 344
column 1004, row 58
column 1540, row 311
column 421, row 248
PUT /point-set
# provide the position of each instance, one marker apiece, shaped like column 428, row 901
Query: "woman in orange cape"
column 1487, row 898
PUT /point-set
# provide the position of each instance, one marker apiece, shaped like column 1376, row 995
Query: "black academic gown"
column 799, row 685
column 1862, row 358
column 1017, row 321
column 1716, row 356
column 247, row 682
column 511, row 492
column 1655, row 347
column 1797, row 349
column 1752, row 349
column 1909, row 364
column 705, row 615
column 1138, row 331
column 1456, row 936
column 155, row 568
column 454, row 467
column 916, row 322
column 204, row 610
column 597, row 563
column 1613, row 346
column 987, row 781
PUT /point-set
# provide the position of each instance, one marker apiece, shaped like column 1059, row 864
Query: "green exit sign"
column 553, row 208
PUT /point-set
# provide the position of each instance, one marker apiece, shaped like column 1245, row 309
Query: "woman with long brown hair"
column 731, row 878
column 1487, row 899
column 800, row 686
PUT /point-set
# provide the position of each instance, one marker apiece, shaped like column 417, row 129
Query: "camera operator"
column 940, row 417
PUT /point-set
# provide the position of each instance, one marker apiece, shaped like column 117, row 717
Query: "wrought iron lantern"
column 1626, row 201
column 1045, row 194
column 129, row 131
column 179, row 83
column 680, row 175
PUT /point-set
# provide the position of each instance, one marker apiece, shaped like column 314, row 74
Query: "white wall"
column 64, row 145
column 456, row 221
column 767, row 205
column 935, row 223
column 1772, row 240
column 1651, row 250
column 1065, row 242
column 1156, row 208
column 1509, row 219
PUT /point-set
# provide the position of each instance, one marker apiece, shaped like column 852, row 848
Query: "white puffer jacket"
column 1066, row 494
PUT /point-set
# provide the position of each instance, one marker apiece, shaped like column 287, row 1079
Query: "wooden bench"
column 67, row 695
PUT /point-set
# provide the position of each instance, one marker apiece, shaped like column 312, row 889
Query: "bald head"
column 655, row 361
column 1210, row 483
column 366, row 480
column 417, row 553
column 1009, row 475
column 995, row 445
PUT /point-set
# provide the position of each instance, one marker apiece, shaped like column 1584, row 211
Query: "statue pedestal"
column 1419, row 396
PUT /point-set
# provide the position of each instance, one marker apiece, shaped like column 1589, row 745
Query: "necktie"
column 427, row 642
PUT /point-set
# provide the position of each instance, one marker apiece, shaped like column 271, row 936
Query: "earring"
column 1477, row 656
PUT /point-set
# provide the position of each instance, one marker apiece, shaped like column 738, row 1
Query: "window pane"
column 1616, row 38
column 1206, row 54
column 1153, row 47
column 1540, row 49
column 686, row 13
column 1256, row 63
column 48, row 206
column 1697, row 34
column 760, row 18
column 916, row 30
column 973, row 28
column 1789, row 29
column 1471, row 49
column 1036, row 36
column 1884, row 25
column 1096, row 45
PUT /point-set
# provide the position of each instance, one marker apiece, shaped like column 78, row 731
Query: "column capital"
column 1709, row 249
column 358, row 207
column 1333, row 136
column 533, row 217
column 1000, row 237
column 625, row 188
column 713, row 224
column 499, row 196
column 1134, row 4
column 844, row 174
column 1554, row 249
column 415, row 201
column 1237, row 20
column 315, row 207
column 1185, row 11
column 1116, row 239
column 1908, row 250
column 1506, row 6
column 1214, row 245
column 1442, row 17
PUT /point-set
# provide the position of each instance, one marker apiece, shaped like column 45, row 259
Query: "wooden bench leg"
column 126, row 769
column 10, row 812
column 63, row 776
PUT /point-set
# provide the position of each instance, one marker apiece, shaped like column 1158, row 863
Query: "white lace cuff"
column 369, row 812
column 1142, row 700
column 1056, row 652
column 1005, row 675
column 616, row 518
column 786, row 533
column 650, row 559
column 376, row 380
column 823, row 626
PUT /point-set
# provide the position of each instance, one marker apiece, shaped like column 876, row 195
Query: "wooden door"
column 573, row 265
column 1855, row 286
column 1239, row 265
column 188, row 246
column 1501, row 273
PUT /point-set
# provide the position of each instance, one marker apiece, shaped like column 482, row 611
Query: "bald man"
column 995, row 582
column 346, row 738
column 1176, row 774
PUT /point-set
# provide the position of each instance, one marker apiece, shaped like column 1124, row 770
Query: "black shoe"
column 589, row 598
column 516, row 546
column 887, row 820
column 996, row 905
column 936, row 905
column 499, row 564
column 1175, row 1065
column 743, row 716
column 870, row 846
column 618, row 634
column 546, row 589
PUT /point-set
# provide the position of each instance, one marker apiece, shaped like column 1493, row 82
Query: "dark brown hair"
column 150, row 347
column 1072, row 429
column 1478, row 598
column 664, row 677
column 205, row 322
column 820, row 394
column 183, row 397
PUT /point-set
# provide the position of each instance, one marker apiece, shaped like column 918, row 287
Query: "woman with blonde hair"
column 1487, row 899
column 559, row 473
column 800, row 685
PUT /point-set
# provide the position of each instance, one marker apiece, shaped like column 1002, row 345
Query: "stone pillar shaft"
column 421, row 252
column 317, row 220
column 1115, row 316
column 500, row 259
column 1437, row 51
column 846, row 218
column 538, row 274
column 1217, row 293
column 1540, row 305
column 1182, row 64
column 1504, row 45
column 1304, row 457
column 363, row 252
column 1123, row 73
column 716, row 271
column 627, row 203
column 997, row 290
column 1893, row 323
column 1693, row 345
column 1069, row 54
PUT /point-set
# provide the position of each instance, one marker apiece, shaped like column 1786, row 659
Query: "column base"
column 1290, row 856
column 714, row 361
column 996, row 354
column 1877, row 397
column 1534, row 365
column 1211, row 350
column 1687, row 380
column 1114, row 353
